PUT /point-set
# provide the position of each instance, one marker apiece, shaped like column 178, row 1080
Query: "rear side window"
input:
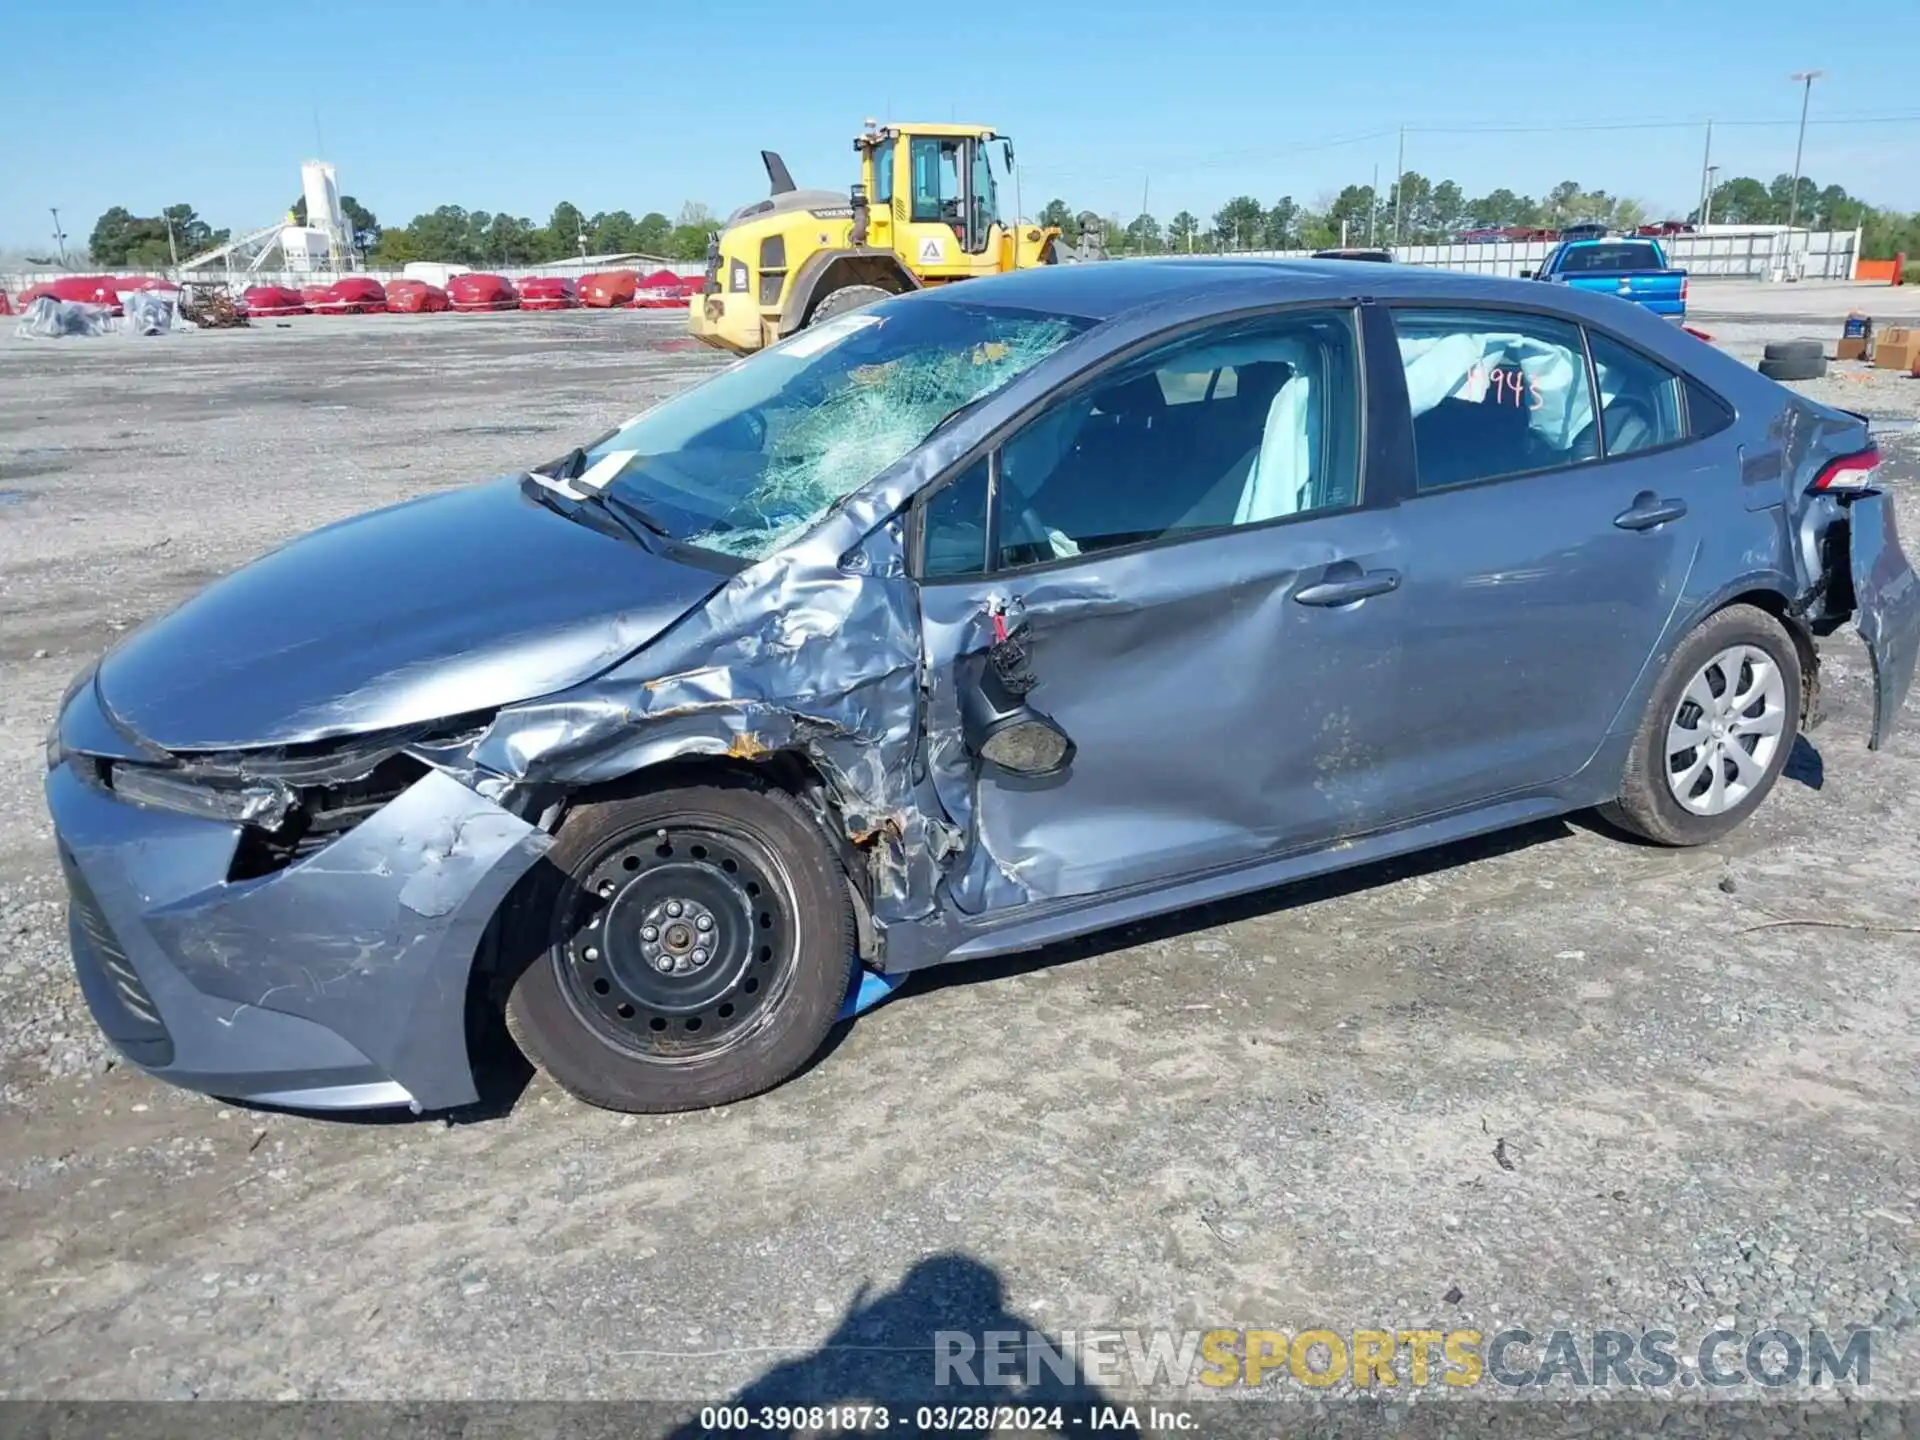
column 1639, row 400
column 1494, row 394
column 1609, row 257
column 1707, row 413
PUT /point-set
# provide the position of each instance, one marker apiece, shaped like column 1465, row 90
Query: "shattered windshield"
column 749, row 459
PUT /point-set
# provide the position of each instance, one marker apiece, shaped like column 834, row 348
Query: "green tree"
column 1349, row 213
column 121, row 238
column 696, row 215
column 1741, row 201
column 1183, row 231
column 1240, row 223
column 559, row 238
column 1447, row 209
column 1501, row 208
column 612, row 234
column 1143, row 235
column 114, row 234
column 1280, row 227
column 687, row 242
column 653, row 234
column 1056, row 214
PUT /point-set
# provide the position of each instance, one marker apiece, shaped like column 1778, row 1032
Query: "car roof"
column 1105, row 290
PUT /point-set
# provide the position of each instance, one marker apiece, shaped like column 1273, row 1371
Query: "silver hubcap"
column 1726, row 731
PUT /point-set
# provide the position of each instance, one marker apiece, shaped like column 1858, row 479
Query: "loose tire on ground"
column 1795, row 350
column 846, row 299
column 1649, row 804
column 692, row 947
column 1800, row 367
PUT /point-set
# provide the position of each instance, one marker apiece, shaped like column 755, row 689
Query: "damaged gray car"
column 955, row 626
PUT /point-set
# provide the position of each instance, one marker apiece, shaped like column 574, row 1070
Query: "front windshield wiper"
column 632, row 511
column 620, row 516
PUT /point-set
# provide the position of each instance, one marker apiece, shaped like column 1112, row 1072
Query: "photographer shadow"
column 930, row 1341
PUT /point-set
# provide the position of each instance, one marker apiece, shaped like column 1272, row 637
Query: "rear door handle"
column 1649, row 510
column 1349, row 589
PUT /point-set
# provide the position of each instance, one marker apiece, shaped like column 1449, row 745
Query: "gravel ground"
column 1550, row 1079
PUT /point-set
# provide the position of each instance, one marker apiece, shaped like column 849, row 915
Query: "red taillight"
column 1683, row 289
column 1849, row 473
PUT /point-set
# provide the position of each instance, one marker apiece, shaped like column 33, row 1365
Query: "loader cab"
column 936, row 191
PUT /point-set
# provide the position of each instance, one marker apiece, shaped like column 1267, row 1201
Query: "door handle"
column 1649, row 510
column 1349, row 588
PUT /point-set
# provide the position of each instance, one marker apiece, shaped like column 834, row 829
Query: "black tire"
column 1800, row 367
column 748, row 867
column 1795, row 350
column 846, row 299
column 1647, row 805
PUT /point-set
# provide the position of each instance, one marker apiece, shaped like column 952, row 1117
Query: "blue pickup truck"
column 1631, row 267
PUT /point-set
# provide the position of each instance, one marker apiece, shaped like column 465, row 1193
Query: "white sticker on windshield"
column 605, row 470
column 814, row 339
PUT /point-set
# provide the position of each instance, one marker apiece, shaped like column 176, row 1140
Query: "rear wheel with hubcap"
column 1717, row 731
column 694, row 946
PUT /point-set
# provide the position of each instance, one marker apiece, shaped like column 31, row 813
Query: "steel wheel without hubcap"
column 678, row 943
column 1726, row 730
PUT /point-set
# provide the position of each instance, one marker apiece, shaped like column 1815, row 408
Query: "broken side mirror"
column 996, row 721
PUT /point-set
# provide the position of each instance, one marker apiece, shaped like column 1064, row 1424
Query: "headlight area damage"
column 308, row 915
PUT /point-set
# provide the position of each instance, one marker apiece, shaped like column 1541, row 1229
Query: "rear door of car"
column 1542, row 567
column 1186, row 551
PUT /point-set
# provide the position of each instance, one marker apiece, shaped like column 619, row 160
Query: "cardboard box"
column 1896, row 348
column 1851, row 348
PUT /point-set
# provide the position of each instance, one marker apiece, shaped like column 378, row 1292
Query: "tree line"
column 1427, row 211
column 1431, row 211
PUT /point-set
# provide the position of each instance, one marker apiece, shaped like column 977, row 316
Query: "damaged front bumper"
column 337, row 982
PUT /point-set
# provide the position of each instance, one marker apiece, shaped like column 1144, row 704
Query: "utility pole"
column 1399, row 185
column 1373, row 209
column 1706, row 210
column 59, row 235
column 1706, row 170
column 173, row 250
column 1804, row 78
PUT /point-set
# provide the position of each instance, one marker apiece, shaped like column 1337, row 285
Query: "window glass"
column 1121, row 463
column 1707, row 413
column 755, row 455
column 883, row 173
column 956, row 526
column 1494, row 394
column 1586, row 259
column 1639, row 400
column 936, row 179
column 986, row 197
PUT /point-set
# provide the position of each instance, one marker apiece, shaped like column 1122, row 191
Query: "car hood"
column 454, row 603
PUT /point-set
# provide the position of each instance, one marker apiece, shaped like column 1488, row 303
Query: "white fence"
column 1762, row 254
column 1771, row 253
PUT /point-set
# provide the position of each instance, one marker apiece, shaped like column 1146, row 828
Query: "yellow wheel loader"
column 926, row 211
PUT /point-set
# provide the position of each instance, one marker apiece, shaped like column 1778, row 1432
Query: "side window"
column 1707, row 413
column 1494, row 394
column 883, row 173
column 1123, row 463
column 955, row 527
column 1639, row 400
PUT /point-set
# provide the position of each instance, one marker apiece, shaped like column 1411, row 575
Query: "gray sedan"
column 954, row 626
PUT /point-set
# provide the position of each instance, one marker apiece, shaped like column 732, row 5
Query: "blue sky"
column 637, row 107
